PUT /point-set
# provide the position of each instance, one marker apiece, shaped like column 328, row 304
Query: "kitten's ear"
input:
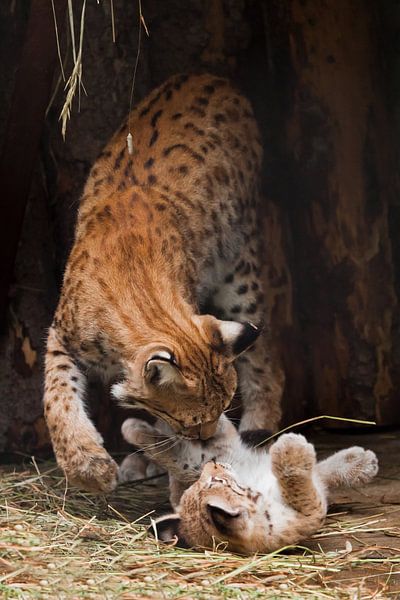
column 223, row 514
column 162, row 369
column 166, row 529
column 238, row 337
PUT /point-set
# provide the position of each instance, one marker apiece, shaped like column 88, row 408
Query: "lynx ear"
column 223, row 515
column 238, row 337
column 162, row 369
column 166, row 529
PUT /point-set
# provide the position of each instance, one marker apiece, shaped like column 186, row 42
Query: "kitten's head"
column 218, row 509
column 188, row 378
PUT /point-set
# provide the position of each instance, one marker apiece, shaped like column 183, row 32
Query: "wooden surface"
column 332, row 272
column 367, row 518
column 32, row 90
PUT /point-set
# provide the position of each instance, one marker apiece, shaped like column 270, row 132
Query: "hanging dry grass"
column 74, row 84
column 56, row 543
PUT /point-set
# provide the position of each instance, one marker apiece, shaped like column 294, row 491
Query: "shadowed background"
column 323, row 77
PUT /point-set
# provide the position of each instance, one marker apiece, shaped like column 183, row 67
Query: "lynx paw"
column 291, row 455
column 95, row 472
column 359, row 465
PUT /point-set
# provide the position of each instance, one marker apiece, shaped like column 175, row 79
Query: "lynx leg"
column 349, row 467
column 77, row 444
column 241, row 298
column 293, row 461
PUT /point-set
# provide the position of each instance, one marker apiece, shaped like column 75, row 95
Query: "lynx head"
column 187, row 378
column 218, row 509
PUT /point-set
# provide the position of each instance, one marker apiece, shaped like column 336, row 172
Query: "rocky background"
column 323, row 77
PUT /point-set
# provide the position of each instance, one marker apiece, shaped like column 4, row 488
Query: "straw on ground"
column 58, row 543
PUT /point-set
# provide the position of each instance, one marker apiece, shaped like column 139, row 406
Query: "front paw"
column 94, row 471
column 292, row 456
column 138, row 432
column 136, row 466
column 132, row 468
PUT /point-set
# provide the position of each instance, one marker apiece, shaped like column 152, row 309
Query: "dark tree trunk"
column 313, row 71
column 338, row 164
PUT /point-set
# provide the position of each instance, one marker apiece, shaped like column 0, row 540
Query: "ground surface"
column 58, row 543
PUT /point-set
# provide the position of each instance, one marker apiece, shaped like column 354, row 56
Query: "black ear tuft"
column 246, row 338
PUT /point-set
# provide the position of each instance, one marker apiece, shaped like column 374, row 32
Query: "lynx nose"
column 207, row 430
column 203, row 431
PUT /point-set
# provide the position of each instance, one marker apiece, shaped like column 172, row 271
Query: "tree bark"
column 338, row 162
column 25, row 123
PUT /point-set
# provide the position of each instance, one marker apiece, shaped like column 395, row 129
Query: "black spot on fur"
column 149, row 163
column 219, row 118
column 155, row 117
column 118, row 160
column 255, row 437
column 251, row 309
column 236, row 309
column 201, row 100
column 197, row 111
column 242, row 289
column 209, row 89
column 153, row 138
column 144, row 111
column 246, row 269
column 167, row 151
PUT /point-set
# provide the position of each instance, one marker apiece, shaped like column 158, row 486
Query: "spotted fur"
column 162, row 234
column 254, row 500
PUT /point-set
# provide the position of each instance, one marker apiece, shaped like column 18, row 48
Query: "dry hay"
column 58, row 543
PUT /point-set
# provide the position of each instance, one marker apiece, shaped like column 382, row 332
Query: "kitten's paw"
column 138, row 432
column 92, row 471
column 359, row 465
column 136, row 466
column 291, row 455
column 132, row 468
